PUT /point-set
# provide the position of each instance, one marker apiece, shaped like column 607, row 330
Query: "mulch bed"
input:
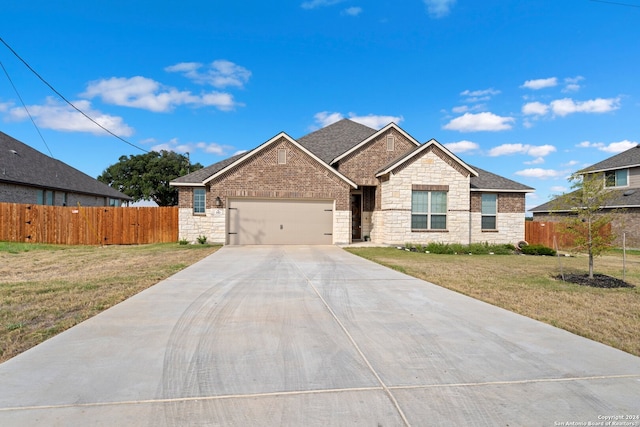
column 598, row 281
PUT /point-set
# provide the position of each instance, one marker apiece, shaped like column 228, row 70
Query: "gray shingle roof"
column 201, row 175
column 490, row 181
column 624, row 198
column 21, row 164
column 333, row 140
column 626, row 159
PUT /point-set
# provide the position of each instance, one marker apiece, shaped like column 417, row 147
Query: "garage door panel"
column 280, row 222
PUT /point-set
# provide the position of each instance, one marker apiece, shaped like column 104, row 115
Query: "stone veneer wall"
column 509, row 221
column 434, row 167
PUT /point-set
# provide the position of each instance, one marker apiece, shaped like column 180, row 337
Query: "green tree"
column 589, row 218
column 147, row 176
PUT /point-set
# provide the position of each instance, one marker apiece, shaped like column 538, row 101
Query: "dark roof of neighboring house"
column 626, row 159
column 22, row 165
column 490, row 181
column 624, row 198
column 333, row 140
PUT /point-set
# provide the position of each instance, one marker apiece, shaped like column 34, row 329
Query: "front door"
column 356, row 217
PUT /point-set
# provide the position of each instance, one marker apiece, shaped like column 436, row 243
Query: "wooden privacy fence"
column 543, row 232
column 87, row 225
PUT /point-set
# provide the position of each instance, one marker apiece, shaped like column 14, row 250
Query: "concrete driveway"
column 313, row 336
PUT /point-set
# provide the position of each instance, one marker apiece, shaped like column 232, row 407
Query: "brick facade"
column 362, row 165
column 507, row 202
column 261, row 176
column 13, row 193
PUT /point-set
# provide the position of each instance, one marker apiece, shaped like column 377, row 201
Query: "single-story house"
column 621, row 175
column 29, row 176
column 347, row 183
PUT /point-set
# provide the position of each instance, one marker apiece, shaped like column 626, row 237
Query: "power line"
column 25, row 108
column 66, row 100
column 616, row 3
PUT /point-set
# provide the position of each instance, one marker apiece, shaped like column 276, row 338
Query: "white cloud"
column 535, row 161
column 326, row 118
column 62, row 117
column 566, row 106
column 483, row 92
column 572, row 84
column 461, row 109
column 480, row 122
column 613, row 147
column 352, row 11
column 462, row 146
column 540, row 173
column 439, row 8
column 540, row 83
column 375, row 122
column 147, row 94
column 313, row 4
column 191, row 147
column 219, row 74
column 535, row 108
column 530, row 150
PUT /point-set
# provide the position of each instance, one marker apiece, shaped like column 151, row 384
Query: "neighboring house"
column 347, row 183
column 28, row 176
column 621, row 174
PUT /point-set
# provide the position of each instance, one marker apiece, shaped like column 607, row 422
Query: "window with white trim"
column 199, row 200
column 489, row 211
column 428, row 210
column 617, row 178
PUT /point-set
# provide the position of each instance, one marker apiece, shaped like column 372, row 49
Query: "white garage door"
column 280, row 222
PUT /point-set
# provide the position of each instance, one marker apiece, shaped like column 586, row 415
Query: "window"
column 391, row 142
column 45, row 197
column 199, row 200
column 282, row 156
column 618, row 178
column 428, row 210
column 489, row 211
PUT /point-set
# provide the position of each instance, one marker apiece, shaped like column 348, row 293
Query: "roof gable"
column 206, row 175
column 418, row 152
column 335, row 139
column 372, row 137
column 21, row 164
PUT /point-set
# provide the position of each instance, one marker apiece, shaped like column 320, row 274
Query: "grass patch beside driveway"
column 45, row 289
column 525, row 285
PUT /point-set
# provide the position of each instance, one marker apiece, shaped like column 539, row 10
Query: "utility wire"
column 616, row 3
column 66, row 100
column 25, row 108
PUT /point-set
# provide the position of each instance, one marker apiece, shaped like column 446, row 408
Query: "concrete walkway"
column 313, row 336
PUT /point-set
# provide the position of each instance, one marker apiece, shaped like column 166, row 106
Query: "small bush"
column 537, row 250
column 202, row 239
column 183, row 241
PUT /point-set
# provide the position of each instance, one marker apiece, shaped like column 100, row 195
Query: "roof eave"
column 267, row 144
column 372, row 137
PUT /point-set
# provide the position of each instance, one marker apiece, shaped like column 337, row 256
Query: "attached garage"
column 280, row 222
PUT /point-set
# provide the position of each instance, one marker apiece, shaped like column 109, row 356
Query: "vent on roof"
column 629, row 192
column 282, row 156
column 391, row 142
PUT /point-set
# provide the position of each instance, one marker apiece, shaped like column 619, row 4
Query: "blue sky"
column 531, row 90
